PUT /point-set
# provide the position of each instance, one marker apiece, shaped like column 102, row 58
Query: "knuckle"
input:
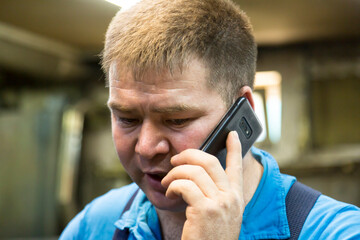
column 211, row 210
column 190, row 172
column 212, row 161
column 225, row 205
column 197, row 171
column 231, row 202
column 237, row 202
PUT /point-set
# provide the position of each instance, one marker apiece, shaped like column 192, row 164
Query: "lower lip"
column 155, row 182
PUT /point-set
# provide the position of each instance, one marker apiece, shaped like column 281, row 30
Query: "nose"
column 151, row 141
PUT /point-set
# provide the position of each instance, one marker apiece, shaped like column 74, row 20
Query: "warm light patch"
column 124, row 4
column 268, row 106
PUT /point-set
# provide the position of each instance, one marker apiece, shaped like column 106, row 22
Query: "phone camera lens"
column 245, row 128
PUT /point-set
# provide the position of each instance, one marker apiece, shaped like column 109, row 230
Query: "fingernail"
column 235, row 135
column 163, row 182
column 173, row 158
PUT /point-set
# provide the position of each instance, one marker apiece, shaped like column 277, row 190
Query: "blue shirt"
column 264, row 217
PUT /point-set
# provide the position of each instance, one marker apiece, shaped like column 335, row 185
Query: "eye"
column 178, row 122
column 127, row 122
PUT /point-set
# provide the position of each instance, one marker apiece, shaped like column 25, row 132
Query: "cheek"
column 200, row 131
column 123, row 148
column 192, row 138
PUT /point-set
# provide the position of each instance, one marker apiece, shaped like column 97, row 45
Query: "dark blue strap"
column 299, row 202
column 124, row 234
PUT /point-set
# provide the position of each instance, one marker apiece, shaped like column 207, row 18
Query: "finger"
column 187, row 190
column 234, row 159
column 205, row 160
column 193, row 173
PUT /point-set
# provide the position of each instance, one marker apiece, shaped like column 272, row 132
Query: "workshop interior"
column 56, row 151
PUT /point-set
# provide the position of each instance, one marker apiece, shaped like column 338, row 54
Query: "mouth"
column 157, row 176
column 153, row 179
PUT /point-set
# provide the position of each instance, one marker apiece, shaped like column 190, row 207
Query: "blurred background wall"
column 56, row 151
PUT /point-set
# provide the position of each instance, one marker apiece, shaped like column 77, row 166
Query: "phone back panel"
column 241, row 118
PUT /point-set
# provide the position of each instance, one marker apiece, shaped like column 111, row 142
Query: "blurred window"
column 267, row 97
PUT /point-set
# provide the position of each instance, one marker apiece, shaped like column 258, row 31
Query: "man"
column 173, row 69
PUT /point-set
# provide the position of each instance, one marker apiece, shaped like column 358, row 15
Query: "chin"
column 179, row 207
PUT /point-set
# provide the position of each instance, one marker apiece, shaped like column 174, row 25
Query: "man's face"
column 158, row 117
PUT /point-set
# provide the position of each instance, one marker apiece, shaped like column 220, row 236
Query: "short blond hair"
column 158, row 35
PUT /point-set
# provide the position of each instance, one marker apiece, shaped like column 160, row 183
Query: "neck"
column 252, row 173
column 171, row 224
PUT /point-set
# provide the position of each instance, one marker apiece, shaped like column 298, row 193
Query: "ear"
column 246, row 92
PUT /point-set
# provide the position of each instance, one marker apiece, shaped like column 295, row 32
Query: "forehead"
column 188, row 87
column 193, row 74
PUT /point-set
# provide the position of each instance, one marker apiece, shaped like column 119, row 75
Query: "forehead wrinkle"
column 144, row 87
column 151, row 81
column 121, row 74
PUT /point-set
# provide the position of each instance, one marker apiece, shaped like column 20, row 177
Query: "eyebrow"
column 167, row 110
column 119, row 107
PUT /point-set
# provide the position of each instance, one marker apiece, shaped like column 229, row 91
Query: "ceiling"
column 78, row 26
column 82, row 23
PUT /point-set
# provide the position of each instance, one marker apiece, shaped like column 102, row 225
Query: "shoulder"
column 331, row 219
column 111, row 203
column 100, row 215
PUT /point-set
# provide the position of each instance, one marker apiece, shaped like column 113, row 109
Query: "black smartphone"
column 241, row 118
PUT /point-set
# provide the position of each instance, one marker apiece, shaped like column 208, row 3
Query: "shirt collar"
column 141, row 219
column 265, row 215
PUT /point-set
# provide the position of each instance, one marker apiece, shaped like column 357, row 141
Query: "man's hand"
column 214, row 196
